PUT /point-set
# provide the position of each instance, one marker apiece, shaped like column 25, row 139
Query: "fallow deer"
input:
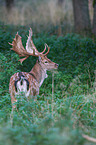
column 29, row 82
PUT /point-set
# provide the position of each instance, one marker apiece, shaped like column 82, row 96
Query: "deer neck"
column 39, row 73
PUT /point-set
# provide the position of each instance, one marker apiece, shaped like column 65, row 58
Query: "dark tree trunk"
column 94, row 18
column 9, row 4
column 81, row 15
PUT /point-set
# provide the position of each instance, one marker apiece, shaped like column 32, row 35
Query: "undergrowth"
column 54, row 119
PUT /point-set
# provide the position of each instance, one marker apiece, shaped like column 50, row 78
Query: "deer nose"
column 56, row 64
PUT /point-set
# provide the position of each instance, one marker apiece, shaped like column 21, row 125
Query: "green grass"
column 54, row 119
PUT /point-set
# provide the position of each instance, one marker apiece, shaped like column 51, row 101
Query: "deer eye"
column 46, row 62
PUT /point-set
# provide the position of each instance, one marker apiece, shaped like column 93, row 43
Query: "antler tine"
column 43, row 50
column 48, row 50
column 21, row 60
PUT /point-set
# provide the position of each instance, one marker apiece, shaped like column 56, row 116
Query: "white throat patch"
column 44, row 75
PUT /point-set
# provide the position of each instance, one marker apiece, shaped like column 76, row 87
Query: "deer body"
column 29, row 82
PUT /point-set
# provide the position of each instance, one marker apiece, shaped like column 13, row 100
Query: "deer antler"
column 18, row 47
column 30, row 47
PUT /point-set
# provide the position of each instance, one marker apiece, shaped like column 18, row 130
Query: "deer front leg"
column 13, row 101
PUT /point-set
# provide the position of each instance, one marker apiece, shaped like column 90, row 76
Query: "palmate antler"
column 30, row 47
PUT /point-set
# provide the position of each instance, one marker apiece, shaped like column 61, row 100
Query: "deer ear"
column 39, row 58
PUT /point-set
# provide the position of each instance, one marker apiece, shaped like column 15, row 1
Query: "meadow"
column 62, row 113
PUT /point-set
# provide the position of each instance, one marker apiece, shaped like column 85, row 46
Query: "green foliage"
column 57, row 119
column 8, row 65
column 59, row 122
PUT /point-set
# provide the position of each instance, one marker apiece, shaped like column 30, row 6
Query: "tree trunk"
column 94, row 19
column 9, row 4
column 81, row 15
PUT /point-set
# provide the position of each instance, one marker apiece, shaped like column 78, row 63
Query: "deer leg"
column 13, row 100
